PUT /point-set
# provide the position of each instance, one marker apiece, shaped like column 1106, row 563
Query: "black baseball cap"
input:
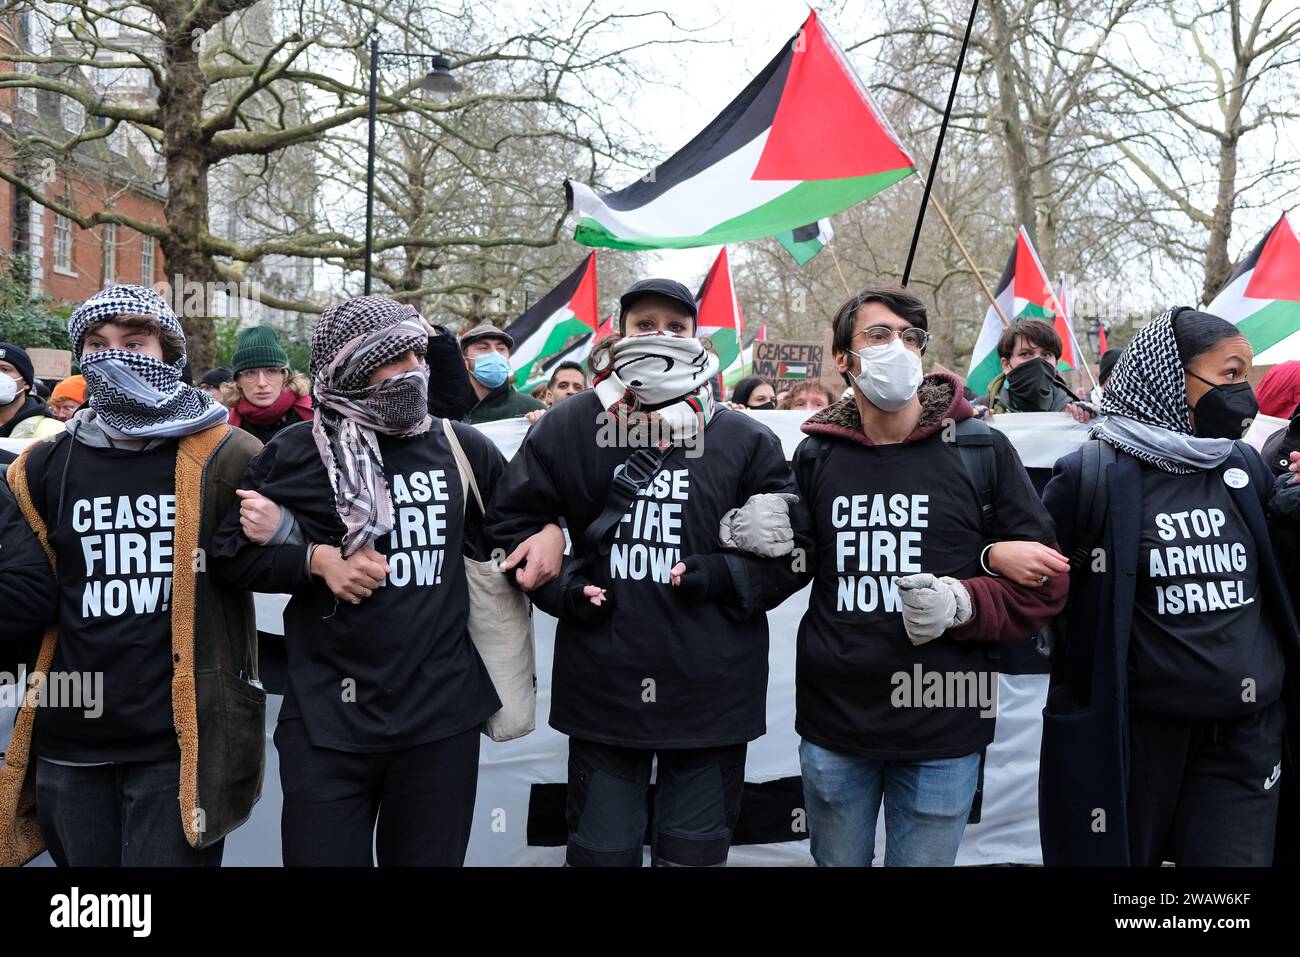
column 656, row 287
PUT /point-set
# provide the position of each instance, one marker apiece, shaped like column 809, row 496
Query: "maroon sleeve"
column 1003, row 610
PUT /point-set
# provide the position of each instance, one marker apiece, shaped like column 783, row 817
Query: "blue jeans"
column 926, row 807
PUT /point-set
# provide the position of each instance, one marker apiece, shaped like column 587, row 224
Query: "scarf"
column 659, row 378
column 139, row 397
column 277, row 410
column 351, row 413
column 1145, row 404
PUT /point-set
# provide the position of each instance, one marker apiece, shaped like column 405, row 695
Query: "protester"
column 1279, row 390
column 128, row 495
column 1029, row 350
column 265, row 396
column 214, row 379
column 906, row 568
column 486, row 351
column 380, row 724
column 68, row 396
column 807, row 396
column 662, row 643
column 753, row 392
column 22, row 414
column 568, row 379
column 1163, row 732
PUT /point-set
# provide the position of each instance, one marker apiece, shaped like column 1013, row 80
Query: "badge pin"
column 1236, row 478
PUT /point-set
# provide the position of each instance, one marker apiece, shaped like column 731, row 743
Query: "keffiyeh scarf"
column 1145, row 405
column 137, row 396
column 659, row 378
column 351, row 341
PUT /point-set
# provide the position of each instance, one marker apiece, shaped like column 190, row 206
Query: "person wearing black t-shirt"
column 378, row 734
column 912, row 583
column 1163, row 732
column 661, row 649
column 149, row 746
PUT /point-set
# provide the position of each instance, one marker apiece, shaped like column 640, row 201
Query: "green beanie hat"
column 258, row 348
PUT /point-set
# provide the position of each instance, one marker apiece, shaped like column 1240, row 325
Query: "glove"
column 760, row 526
column 932, row 605
column 562, row 597
column 706, row 578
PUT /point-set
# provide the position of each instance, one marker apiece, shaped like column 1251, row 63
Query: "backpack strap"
column 629, row 479
column 974, row 441
column 1093, row 503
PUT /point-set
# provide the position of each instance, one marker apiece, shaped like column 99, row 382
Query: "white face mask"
column 890, row 375
column 8, row 389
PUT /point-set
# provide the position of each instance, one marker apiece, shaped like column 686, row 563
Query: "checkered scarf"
column 659, row 377
column 350, row 342
column 137, row 396
column 1145, row 405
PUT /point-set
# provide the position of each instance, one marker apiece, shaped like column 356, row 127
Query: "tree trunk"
column 1218, row 266
column 1008, row 117
column 192, row 272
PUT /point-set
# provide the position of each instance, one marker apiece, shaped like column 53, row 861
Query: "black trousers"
column 116, row 815
column 421, row 797
column 696, row 804
column 1204, row 793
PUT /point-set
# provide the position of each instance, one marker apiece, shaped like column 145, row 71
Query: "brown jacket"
column 219, row 716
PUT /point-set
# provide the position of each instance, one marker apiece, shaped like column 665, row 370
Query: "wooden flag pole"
column 836, row 259
column 970, row 263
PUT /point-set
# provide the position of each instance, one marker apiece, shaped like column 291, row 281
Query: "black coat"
column 1082, row 813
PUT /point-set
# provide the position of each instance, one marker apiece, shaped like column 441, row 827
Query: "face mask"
column 767, row 406
column 403, row 400
column 491, row 369
column 890, row 375
column 8, row 389
column 1032, row 385
column 1226, row 411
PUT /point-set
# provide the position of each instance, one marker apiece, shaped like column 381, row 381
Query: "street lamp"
column 438, row 80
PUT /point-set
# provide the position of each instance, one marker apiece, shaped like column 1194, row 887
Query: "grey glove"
column 761, row 526
column 932, row 605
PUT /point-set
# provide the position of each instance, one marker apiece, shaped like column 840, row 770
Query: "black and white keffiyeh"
column 350, row 342
column 137, row 396
column 1145, row 405
column 659, row 377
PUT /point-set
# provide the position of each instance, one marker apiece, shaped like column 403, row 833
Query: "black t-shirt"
column 882, row 512
column 1202, row 644
column 660, row 672
column 110, row 514
column 398, row 669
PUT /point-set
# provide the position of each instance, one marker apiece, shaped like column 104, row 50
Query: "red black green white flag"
column 552, row 323
column 1262, row 297
column 802, row 141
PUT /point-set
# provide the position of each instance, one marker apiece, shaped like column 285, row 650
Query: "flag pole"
column 836, row 259
column 938, row 146
column 970, row 263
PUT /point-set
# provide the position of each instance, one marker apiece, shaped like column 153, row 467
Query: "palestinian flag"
column 803, row 141
column 791, row 370
column 718, row 316
column 1262, row 297
column 807, row 241
column 550, row 325
column 1023, row 292
column 744, row 364
column 577, row 352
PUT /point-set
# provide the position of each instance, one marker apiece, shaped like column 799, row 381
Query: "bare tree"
column 222, row 95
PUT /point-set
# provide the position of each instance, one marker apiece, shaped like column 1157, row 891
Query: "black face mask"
column 1033, row 386
column 1226, row 411
column 767, row 406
